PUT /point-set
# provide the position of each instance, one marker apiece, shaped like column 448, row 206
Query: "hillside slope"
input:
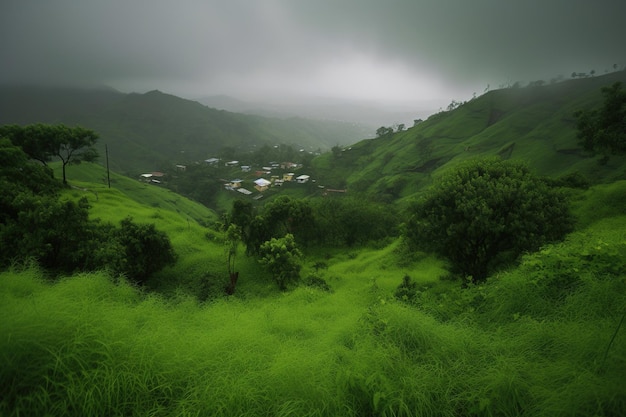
column 153, row 131
column 534, row 124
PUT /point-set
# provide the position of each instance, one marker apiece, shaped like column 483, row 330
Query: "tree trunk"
column 230, row 289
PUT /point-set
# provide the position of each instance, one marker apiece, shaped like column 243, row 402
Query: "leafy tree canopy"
column 44, row 142
column 486, row 212
column 282, row 257
column 604, row 129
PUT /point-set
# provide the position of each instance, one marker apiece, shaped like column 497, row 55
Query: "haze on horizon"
column 390, row 53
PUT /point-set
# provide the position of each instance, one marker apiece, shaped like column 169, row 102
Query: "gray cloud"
column 397, row 49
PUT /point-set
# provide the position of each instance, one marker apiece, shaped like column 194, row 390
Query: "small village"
column 245, row 178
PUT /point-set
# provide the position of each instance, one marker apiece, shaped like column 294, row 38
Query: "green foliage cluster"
column 43, row 142
column 198, row 182
column 352, row 221
column 36, row 224
column 334, row 222
column 486, row 213
column 604, row 129
column 281, row 257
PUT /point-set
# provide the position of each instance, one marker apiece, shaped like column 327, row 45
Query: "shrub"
column 282, row 258
column 486, row 213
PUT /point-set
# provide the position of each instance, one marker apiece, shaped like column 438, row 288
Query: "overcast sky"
column 381, row 50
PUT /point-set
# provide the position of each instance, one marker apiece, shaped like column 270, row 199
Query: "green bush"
column 282, row 258
column 485, row 213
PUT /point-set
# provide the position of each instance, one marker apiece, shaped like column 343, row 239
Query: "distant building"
column 262, row 184
column 245, row 168
column 212, row 161
column 302, row 179
column 235, row 183
column 232, row 163
column 288, row 176
column 181, row 167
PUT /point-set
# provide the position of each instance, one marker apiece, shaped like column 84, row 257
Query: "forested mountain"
column 153, row 131
column 535, row 124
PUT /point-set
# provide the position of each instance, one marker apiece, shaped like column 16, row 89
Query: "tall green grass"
column 542, row 339
column 89, row 345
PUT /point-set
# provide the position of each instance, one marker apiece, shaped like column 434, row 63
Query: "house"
column 244, row 191
column 232, row 163
column 261, row 184
column 288, row 165
column 302, row 179
column 288, row 176
column 212, row 161
column 181, row 167
column 235, row 183
column 245, row 168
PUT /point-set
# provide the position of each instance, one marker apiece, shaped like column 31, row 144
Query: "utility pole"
column 106, row 151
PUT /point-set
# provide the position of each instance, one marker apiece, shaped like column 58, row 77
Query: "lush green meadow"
column 542, row 339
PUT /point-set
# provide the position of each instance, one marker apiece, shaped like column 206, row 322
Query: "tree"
column 282, row 258
column 485, row 213
column 146, row 250
column 383, row 131
column 233, row 237
column 279, row 217
column 74, row 145
column 604, row 129
column 44, row 142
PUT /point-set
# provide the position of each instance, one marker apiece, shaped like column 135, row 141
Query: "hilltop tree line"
column 38, row 225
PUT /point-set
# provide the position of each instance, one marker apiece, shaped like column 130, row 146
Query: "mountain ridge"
column 156, row 130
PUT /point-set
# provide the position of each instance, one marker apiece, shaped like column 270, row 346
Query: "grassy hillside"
column 542, row 339
column 154, row 131
column 533, row 124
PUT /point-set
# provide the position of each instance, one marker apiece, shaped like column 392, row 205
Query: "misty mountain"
column 369, row 115
column 153, row 131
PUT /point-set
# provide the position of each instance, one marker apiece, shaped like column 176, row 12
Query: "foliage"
column 604, row 129
column 44, row 142
column 35, row 223
column 318, row 282
column 384, row 131
column 349, row 221
column 232, row 239
column 284, row 215
column 487, row 212
column 17, row 173
column 197, row 182
column 407, row 290
column 282, row 257
column 145, row 250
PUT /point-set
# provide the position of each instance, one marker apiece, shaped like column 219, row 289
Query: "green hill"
column 154, row 131
column 534, row 124
column 542, row 338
